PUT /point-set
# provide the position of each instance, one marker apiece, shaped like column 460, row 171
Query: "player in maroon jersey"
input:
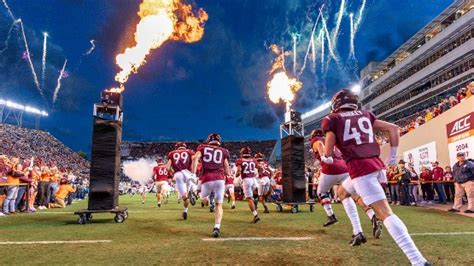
column 247, row 170
column 160, row 174
column 215, row 166
column 332, row 174
column 179, row 161
column 352, row 131
column 229, row 187
column 265, row 173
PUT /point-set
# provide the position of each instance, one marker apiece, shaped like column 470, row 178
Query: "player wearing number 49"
column 352, row 131
column 179, row 161
column 215, row 167
column 247, row 170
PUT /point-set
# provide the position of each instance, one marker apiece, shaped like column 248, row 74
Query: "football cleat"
column 202, row 204
column 185, row 215
column 377, row 227
column 358, row 239
column 256, row 218
column 331, row 220
column 233, row 207
column 216, row 232
column 159, row 205
column 266, row 209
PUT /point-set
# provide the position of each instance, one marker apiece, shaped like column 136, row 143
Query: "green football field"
column 152, row 236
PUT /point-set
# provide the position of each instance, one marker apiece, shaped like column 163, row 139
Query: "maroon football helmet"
column 180, row 145
column 245, row 152
column 214, row 139
column 317, row 133
column 159, row 160
column 344, row 99
column 259, row 156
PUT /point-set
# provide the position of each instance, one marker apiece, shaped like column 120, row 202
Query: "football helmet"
column 180, row 144
column 259, row 156
column 317, row 133
column 344, row 99
column 245, row 152
column 214, row 139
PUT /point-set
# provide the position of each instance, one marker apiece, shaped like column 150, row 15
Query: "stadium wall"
column 435, row 131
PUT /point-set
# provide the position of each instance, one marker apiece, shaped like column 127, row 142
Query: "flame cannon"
column 105, row 163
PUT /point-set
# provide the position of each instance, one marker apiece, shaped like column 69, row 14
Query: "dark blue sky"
column 186, row 91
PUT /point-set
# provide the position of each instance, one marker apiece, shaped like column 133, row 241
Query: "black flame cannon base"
column 105, row 163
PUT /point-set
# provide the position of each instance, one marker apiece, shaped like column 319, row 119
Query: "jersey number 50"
column 212, row 155
column 363, row 125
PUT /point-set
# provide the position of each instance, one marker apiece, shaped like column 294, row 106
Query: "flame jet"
column 161, row 20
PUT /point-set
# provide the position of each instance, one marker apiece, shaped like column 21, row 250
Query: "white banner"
column 465, row 145
column 421, row 156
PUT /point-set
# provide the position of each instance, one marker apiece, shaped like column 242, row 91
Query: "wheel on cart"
column 89, row 217
column 82, row 219
column 119, row 218
column 294, row 209
column 279, row 208
column 311, row 208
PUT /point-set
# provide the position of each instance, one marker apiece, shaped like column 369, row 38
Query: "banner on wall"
column 460, row 134
column 421, row 156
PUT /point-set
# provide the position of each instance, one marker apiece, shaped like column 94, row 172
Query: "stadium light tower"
column 16, row 110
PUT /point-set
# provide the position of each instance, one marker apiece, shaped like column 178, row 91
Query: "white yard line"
column 54, row 242
column 259, row 239
column 442, row 233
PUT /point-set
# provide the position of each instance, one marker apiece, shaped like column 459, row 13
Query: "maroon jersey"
column 264, row 169
column 338, row 167
column 248, row 167
column 181, row 159
column 355, row 138
column 160, row 172
column 213, row 158
column 229, row 180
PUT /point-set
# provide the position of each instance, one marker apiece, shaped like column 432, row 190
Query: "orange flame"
column 281, row 87
column 161, row 20
column 118, row 89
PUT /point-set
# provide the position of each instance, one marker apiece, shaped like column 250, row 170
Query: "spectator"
column 428, row 115
column 33, row 191
column 448, row 183
column 44, row 188
column 63, row 191
column 426, row 187
column 470, row 89
column 403, row 176
column 394, row 186
column 463, row 172
column 438, row 174
column 415, row 185
column 13, row 181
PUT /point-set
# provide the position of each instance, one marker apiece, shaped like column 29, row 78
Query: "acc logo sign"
column 460, row 125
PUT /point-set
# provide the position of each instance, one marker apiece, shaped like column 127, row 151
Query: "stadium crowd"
column 36, row 169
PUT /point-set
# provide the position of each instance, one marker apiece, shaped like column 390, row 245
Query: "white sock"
column 328, row 209
column 185, row 209
column 351, row 211
column 255, row 213
column 370, row 213
column 399, row 232
column 218, row 226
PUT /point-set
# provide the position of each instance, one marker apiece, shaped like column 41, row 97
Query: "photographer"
column 463, row 172
column 63, row 192
column 404, row 177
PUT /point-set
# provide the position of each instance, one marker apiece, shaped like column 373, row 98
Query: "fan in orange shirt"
column 64, row 189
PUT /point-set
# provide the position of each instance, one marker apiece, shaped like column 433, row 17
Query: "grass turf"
column 153, row 236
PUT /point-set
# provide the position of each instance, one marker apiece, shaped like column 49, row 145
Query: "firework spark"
column 90, row 49
column 9, row 35
column 62, row 74
column 43, row 61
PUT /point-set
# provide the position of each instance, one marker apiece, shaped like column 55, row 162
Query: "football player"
column 161, row 180
column 229, row 187
column 352, row 131
column 337, row 173
column 179, row 161
column 265, row 173
column 215, row 166
column 247, row 170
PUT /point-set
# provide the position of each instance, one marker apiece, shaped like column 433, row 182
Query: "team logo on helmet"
column 344, row 99
column 259, row 156
column 214, row 139
column 317, row 133
column 245, row 152
column 180, row 145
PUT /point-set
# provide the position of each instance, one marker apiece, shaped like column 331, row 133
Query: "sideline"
column 54, row 242
column 258, row 239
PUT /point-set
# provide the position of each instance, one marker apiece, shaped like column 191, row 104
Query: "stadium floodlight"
column 316, row 110
column 21, row 107
column 356, row 88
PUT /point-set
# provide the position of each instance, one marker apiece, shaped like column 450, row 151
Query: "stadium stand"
column 136, row 150
column 25, row 143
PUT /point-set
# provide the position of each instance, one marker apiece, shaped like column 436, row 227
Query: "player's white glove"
column 392, row 157
column 327, row 160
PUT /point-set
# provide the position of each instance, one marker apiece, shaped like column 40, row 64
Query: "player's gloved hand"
column 328, row 160
column 392, row 157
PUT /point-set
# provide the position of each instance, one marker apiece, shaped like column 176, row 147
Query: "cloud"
column 262, row 119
